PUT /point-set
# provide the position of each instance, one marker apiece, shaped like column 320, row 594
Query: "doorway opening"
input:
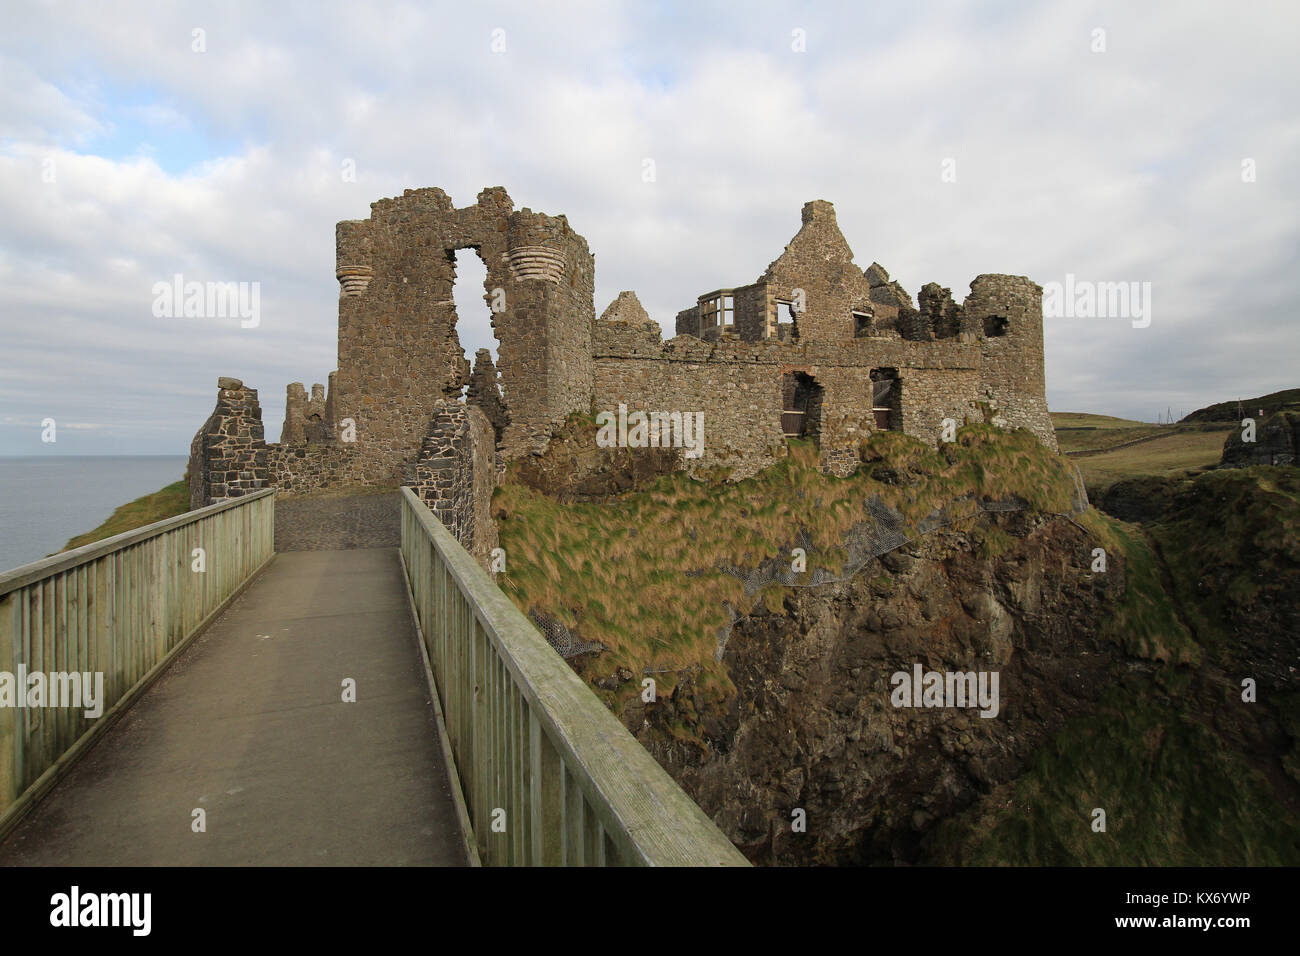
column 801, row 415
column 885, row 399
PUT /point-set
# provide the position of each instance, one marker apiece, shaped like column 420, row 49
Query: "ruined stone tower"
column 398, row 350
column 815, row 348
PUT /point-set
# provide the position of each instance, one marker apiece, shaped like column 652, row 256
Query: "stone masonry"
column 228, row 455
column 398, row 350
column 484, row 391
column 814, row 344
column 456, row 473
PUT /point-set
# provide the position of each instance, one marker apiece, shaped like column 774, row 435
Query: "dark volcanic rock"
column 813, row 728
column 1141, row 500
column 1277, row 440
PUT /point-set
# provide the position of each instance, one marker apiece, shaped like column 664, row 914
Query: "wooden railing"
column 549, row 775
column 120, row 608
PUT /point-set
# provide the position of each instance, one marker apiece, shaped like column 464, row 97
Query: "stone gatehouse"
column 814, row 348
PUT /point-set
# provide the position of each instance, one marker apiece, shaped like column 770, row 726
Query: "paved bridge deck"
column 249, row 724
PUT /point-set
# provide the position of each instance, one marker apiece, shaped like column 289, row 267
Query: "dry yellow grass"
column 1180, row 451
column 641, row 573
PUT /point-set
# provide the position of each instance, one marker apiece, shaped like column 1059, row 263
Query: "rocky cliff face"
column 1160, row 689
column 812, row 726
column 1275, row 443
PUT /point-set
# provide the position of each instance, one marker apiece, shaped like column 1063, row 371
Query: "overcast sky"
column 128, row 156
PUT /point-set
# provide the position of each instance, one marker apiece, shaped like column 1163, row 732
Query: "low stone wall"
column 457, row 473
column 309, row 468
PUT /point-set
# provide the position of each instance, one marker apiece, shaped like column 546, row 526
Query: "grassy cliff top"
column 165, row 503
column 641, row 572
column 1232, row 411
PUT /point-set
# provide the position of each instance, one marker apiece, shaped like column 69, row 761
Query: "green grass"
column 1084, row 420
column 1146, row 623
column 1232, row 411
column 1252, row 554
column 165, row 503
column 1073, row 440
column 1170, row 450
column 1177, row 453
column 1157, row 754
column 1175, row 789
column 617, row 571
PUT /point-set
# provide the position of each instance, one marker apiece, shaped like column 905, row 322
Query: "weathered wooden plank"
column 546, row 818
column 575, row 809
column 121, row 607
column 39, row 570
column 10, row 739
column 638, row 814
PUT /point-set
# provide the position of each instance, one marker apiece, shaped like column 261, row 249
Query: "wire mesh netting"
column 566, row 643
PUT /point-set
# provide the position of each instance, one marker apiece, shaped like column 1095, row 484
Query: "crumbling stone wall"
column 626, row 307
column 818, row 261
column 740, row 401
column 754, row 304
column 399, row 354
column 313, row 467
column 228, row 454
column 1004, row 318
column 305, row 419
column 545, row 331
column 887, row 292
column 456, row 474
column 485, row 393
column 738, row 386
column 396, row 393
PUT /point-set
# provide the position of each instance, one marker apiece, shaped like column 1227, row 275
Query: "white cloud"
column 1116, row 166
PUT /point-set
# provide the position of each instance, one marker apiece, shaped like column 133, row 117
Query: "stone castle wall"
column 228, row 454
column 819, row 262
column 1007, row 311
column 399, row 353
column 738, row 385
column 393, row 414
column 310, row 468
column 456, row 474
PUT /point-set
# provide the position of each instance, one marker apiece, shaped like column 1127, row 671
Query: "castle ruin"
column 815, row 348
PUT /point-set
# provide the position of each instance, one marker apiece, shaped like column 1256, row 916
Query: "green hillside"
column 165, row 503
column 1232, row 411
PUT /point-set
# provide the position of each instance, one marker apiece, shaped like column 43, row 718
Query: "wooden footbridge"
column 377, row 706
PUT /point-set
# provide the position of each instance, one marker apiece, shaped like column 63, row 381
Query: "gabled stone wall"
column 819, row 262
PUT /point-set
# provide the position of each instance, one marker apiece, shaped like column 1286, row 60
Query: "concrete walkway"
column 249, row 725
